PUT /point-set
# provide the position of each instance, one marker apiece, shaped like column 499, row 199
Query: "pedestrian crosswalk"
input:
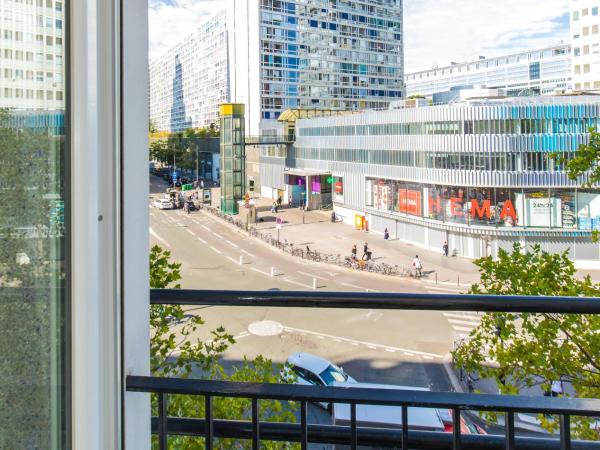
column 462, row 323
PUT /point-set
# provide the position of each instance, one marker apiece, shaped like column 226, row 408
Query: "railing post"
column 208, row 437
column 565, row 432
column 353, row 432
column 304, row 425
column 163, row 406
column 404, row 427
column 456, row 443
column 509, row 425
column 255, row 425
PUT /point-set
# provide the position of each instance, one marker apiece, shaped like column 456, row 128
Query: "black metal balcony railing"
column 353, row 435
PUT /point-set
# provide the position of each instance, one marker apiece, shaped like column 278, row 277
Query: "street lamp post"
column 197, row 174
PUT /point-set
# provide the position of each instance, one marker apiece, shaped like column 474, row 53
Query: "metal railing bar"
column 353, row 432
column 565, row 432
column 208, row 438
column 404, row 427
column 338, row 394
column 337, row 434
column 163, row 405
column 509, row 419
column 304, row 425
column 369, row 300
column 255, row 425
column 456, row 437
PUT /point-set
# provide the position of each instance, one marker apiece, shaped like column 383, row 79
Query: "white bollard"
column 272, row 271
column 241, row 259
column 314, row 283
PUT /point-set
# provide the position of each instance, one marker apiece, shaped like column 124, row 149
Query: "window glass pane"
column 33, row 265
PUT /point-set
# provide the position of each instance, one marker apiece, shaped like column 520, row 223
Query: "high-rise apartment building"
column 275, row 55
column 533, row 72
column 585, row 35
column 31, row 55
column 190, row 80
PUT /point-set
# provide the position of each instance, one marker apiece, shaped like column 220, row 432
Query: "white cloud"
column 170, row 21
column 436, row 31
column 441, row 31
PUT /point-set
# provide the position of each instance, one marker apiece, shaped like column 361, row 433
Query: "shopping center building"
column 480, row 174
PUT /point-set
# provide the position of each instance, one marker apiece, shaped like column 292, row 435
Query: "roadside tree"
column 526, row 350
column 176, row 351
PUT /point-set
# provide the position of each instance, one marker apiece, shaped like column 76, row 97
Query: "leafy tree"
column 524, row 350
column 152, row 126
column 585, row 162
column 177, row 352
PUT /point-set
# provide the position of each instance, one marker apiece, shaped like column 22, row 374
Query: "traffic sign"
column 187, row 187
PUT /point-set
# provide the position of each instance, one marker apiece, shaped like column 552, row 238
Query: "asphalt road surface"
column 395, row 347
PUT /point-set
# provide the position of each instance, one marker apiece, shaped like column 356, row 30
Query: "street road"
column 395, row 347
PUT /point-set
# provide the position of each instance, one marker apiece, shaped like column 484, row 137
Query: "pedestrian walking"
column 354, row 250
column 279, row 200
column 445, row 248
column 274, row 208
column 332, row 216
column 366, row 253
column 418, row 266
column 386, row 234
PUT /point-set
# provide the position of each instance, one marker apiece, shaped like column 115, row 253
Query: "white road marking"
column 354, row 286
column 159, row 239
column 179, row 224
column 390, row 350
column 201, row 240
column 216, row 250
column 217, row 235
column 443, row 289
column 297, row 283
column 473, row 322
column 233, row 260
column 367, row 344
column 249, row 254
column 464, row 315
column 467, row 329
column 427, row 357
column 205, row 227
column 260, row 271
column 313, row 276
column 190, row 231
column 232, row 244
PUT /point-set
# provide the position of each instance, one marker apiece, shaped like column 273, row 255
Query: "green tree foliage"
column 525, row 350
column 585, row 162
column 152, row 126
column 31, row 282
column 177, row 351
column 181, row 147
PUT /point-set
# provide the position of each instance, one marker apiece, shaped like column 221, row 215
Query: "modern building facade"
column 274, row 55
column 478, row 174
column 190, row 80
column 585, row 35
column 535, row 72
column 32, row 56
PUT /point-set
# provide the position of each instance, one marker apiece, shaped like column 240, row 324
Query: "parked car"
column 163, row 203
column 312, row 369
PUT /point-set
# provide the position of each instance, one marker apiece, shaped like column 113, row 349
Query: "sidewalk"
column 321, row 235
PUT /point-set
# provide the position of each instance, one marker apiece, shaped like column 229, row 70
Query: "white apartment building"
column 585, row 34
column 190, row 80
column 533, row 72
column 31, row 55
column 274, row 55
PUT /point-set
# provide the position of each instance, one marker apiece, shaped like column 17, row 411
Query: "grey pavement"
column 320, row 234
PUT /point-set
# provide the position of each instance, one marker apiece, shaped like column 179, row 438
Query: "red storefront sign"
column 409, row 202
column 339, row 187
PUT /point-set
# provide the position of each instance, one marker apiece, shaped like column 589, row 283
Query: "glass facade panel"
column 33, row 244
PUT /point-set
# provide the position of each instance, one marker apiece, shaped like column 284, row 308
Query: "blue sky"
column 436, row 31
